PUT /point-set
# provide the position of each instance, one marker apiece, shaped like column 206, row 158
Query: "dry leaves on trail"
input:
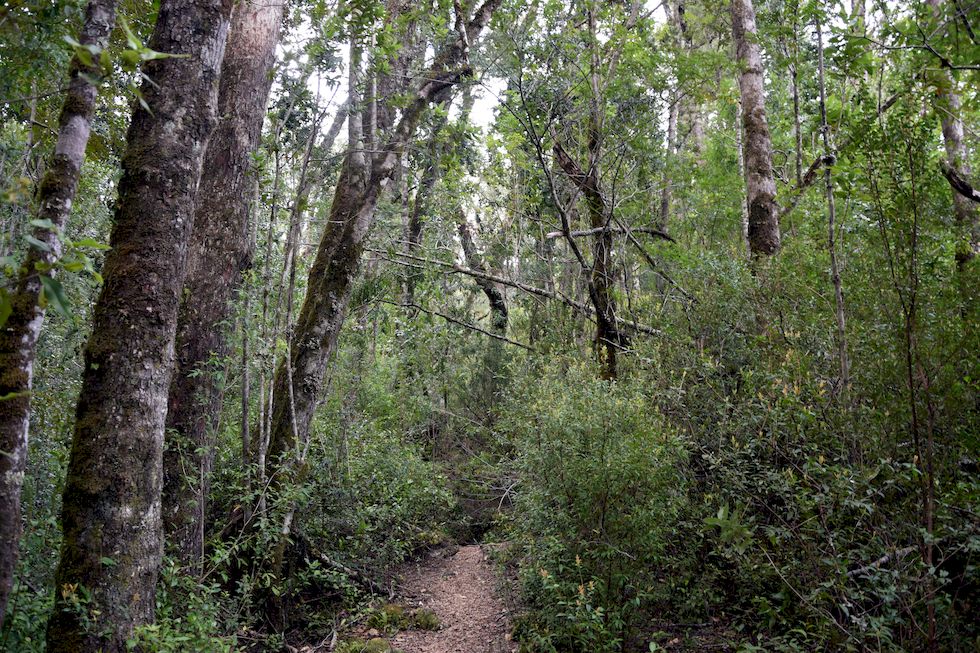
column 459, row 588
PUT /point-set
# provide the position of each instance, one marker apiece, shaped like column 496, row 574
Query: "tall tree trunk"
column 670, row 148
column 739, row 154
column 760, row 182
column 219, row 251
column 795, row 90
column 113, row 536
column 339, row 253
column 966, row 213
column 18, row 337
column 420, row 207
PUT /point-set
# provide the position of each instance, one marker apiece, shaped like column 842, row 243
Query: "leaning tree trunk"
column 339, row 253
column 760, row 182
column 219, row 252
column 113, row 538
column 18, row 338
column 495, row 296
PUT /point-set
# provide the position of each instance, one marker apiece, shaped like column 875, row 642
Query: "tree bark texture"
column 113, row 536
column 949, row 110
column 219, row 252
column 339, row 253
column 18, row 338
column 760, row 181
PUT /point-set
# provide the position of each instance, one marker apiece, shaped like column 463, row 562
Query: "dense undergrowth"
column 729, row 491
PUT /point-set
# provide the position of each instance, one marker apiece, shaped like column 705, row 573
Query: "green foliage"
column 599, row 491
column 189, row 617
column 391, row 617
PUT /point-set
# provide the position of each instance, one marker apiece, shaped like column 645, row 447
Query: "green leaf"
column 55, row 294
column 131, row 58
column 131, row 39
column 38, row 244
column 91, row 243
column 44, row 224
column 108, row 562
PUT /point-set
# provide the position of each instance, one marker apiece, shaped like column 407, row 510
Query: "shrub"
column 594, row 509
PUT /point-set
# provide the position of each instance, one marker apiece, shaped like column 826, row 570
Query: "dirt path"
column 459, row 588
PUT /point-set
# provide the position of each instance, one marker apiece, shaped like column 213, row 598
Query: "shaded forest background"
column 678, row 301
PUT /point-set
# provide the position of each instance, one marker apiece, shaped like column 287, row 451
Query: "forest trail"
column 460, row 589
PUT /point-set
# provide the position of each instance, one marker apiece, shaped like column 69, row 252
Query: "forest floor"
column 460, row 588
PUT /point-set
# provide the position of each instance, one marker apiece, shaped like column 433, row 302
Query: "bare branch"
column 551, row 235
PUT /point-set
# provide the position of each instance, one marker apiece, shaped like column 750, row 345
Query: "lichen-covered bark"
column 760, row 182
column 18, row 338
column 949, row 109
column 219, row 252
column 111, row 507
column 339, row 253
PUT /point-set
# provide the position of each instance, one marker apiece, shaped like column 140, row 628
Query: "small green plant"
column 373, row 645
column 389, row 618
column 424, row 619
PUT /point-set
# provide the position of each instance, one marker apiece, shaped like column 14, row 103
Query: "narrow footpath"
column 460, row 589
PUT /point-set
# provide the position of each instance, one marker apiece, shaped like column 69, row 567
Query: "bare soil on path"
column 460, row 588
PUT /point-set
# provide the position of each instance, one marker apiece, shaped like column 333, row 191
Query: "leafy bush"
column 188, row 617
column 599, row 491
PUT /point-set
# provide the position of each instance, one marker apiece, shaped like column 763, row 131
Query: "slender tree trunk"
column 111, row 517
column 760, row 181
column 420, row 207
column 845, row 366
column 739, row 149
column 18, row 337
column 795, row 88
column 220, row 250
column 690, row 121
column 351, row 216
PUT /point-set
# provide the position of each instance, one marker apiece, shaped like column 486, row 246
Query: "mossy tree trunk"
column 113, row 537
column 220, row 251
column 760, row 182
column 18, row 338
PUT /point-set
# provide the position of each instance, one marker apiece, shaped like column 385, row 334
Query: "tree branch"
column 959, row 184
column 551, row 235
column 585, row 309
column 472, row 327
